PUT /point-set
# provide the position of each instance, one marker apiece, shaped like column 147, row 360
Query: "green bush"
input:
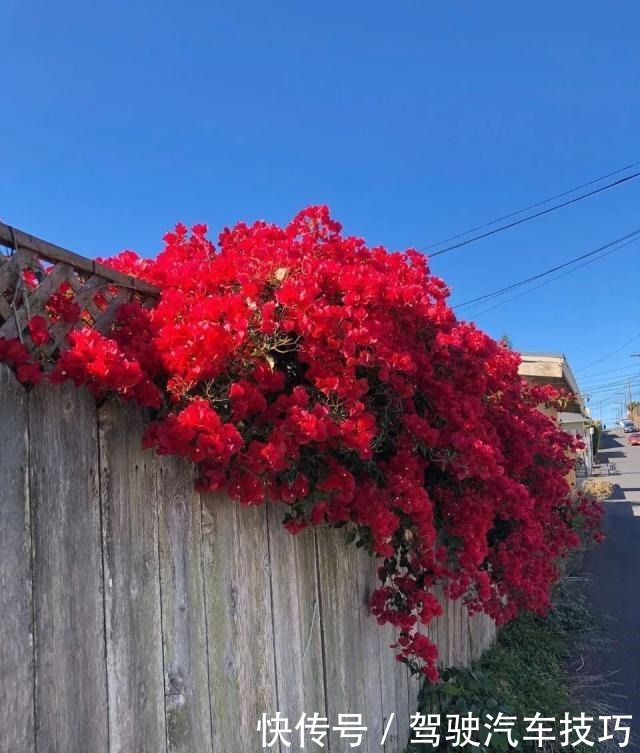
column 523, row 673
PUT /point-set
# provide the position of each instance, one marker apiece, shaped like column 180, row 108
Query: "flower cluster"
column 297, row 365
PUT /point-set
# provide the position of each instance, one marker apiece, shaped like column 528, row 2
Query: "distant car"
column 628, row 426
column 623, row 422
column 634, row 439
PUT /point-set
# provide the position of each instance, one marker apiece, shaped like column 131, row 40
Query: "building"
column 554, row 369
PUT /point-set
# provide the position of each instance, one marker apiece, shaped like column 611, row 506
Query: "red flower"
column 30, row 373
column 38, row 328
column 298, row 365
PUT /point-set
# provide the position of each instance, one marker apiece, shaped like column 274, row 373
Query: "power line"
column 553, row 279
column 588, row 389
column 630, row 367
column 613, row 391
column 613, row 353
column 611, row 385
column 617, row 394
column 629, row 372
column 518, row 284
column 531, row 206
column 534, row 216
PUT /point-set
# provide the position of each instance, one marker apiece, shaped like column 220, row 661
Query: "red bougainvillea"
column 297, row 365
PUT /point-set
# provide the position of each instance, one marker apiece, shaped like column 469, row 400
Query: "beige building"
column 554, row 369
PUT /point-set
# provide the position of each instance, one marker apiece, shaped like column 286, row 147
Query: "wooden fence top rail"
column 15, row 239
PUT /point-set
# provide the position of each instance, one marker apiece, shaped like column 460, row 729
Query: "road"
column 612, row 578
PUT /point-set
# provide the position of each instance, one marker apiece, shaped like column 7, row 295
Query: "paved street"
column 612, row 573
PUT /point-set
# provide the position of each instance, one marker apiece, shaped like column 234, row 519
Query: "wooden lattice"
column 32, row 271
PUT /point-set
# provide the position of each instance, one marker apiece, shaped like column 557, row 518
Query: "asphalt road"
column 612, row 587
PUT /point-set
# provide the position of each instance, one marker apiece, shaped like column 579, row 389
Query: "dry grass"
column 600, row 488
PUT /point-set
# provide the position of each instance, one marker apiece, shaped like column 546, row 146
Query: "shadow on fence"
column 139, row 615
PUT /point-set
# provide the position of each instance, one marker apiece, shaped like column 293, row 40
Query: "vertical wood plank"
column 394, row 707
column 460, row 633
column 297, row 624
column 394, row 680
column 450, row 622
column 70, row 667
column 464, row 634
column 375, row 683
column 132, row 582
column 456, row 630
column 438, row 628
column 184, row 628
column 414, row 683
column 344, row 660
column 465, row 656
column 155, row 616
column 239, row 620
column 473, row 627
column 403, row 708
column 17, row 726
column 436, row 632
column 482, row 634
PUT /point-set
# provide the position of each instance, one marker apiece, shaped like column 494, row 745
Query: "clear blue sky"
column 413, row 120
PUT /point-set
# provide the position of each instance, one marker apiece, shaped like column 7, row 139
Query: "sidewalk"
column 611, row 571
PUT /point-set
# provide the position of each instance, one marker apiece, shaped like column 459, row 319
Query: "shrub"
column 298, row 365
column 599, row 488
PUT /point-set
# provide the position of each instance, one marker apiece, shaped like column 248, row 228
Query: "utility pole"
column 633, row 355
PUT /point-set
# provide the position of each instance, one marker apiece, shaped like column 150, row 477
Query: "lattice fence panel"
column 69, row 291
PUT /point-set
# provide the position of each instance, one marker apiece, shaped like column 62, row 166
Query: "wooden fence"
column 35, row 270
column 137, row 615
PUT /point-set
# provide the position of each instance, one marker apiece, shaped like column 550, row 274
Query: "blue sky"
column 412, row 120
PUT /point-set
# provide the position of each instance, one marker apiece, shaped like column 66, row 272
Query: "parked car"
column 623, row 422
column 634, row 439
column 630, row 428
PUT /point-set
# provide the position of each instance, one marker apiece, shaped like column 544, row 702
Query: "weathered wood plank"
column 105, row 320
column 57, row 254
column 70, row 666
column 399, row 731
column 341, row 605
column 414, row 681
column 5, row 309
column 17, row 730
column 393, row 714
column 438, row 632
column 394, row 685
column 375, row 684
column 9, row 271
column 453, row 632
column 83, row 296
column 482, row 634
column 243, row 618
column 464, row 653
column 451, row 629
column 404, row 707
column 440, row 628
column 297, row 623
column 239, row 620
column 184, row 626
column 36, row 299
column 132, row 581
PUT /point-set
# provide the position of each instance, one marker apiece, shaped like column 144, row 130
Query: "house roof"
column 565, row 417
column 550, row 368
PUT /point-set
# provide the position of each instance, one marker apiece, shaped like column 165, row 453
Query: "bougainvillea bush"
column 298, row 365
